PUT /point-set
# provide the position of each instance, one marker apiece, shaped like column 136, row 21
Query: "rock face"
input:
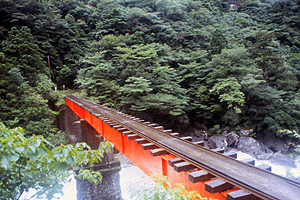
column 220, row 141
column 226, row 140
column 258, row 149
column 231, row 139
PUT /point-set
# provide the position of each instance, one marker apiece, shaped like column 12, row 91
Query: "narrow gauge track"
column 260, row 183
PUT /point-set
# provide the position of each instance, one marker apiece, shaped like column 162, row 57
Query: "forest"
column 188, row 65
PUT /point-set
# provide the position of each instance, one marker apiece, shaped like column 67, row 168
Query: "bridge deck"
column 261, row 183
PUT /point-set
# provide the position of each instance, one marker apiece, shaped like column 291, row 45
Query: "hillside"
column 191, row 65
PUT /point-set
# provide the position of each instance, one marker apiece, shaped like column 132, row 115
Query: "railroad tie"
column 117, row 127
column 200, row 143
column 98, row 115
column 158, row 152
column 183, row 166
column 174, row 160
column 111, row 124
column 125, row 133
column 248, row 161
column 240, row 195
column 219, row 150
column 188, row 138
column 169, row 131
column 230, row 154
column 199, row 176
column 122, row 129
column 93, row 113
column 149, row 146
column 103, row 118
column 265, row 167
column 161, row 128
column 175, row 134
column 217, row 186
column 133, row 136
column 141, row 141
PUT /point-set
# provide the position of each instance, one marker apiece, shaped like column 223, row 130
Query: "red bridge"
column 212, row 173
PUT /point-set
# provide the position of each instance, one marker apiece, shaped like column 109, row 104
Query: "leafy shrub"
column 27, row 163
column 160, row 189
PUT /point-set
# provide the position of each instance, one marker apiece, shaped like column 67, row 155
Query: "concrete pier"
column 78, row 130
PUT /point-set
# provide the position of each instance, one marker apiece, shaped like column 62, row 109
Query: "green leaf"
column 43, row 152
column 70, row 160
column 4, row 162
column 32, row 156
column 62, row 166
column 19, row 149
column 14, row 157
column 38, row 142
column 33, row 148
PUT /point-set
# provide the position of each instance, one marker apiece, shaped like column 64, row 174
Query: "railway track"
column 258, row 182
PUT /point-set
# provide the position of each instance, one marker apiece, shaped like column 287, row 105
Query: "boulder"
column 258, row 149
column 280, row 159
column 220, row 141
column 276, row 145
column 211, row 144
column 198, row 133
column 231, row 139
column 226, row 140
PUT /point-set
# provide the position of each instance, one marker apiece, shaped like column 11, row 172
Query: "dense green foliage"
column 26, row 92
column 201, row 64
column 27, row 163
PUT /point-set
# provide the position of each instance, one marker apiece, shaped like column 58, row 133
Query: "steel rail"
column 260, row 183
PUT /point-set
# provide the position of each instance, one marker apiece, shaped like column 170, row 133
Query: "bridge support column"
column 66, row 123
column 109, row 188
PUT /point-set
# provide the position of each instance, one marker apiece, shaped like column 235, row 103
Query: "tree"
column 136, row 79
column 26, row 91
column 133, row 94
column 99, row 84
column 21, row 51
column 275, row 72
column 33, row 163
column 229, row 92
column 215, row 90
column 112, row 22
column 217, row 42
